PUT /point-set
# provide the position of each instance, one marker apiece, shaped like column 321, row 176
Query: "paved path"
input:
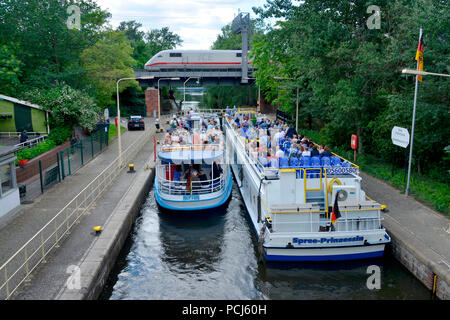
column 48, row 279
column 30, row 218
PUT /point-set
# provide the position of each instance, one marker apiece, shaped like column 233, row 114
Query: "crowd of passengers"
column 276, row 144
column 181, row 132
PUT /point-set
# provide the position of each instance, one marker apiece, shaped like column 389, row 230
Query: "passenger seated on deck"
column 314, row 151
column 326, row 152
column 293, row 150
column 280, row 153
column 168, row 138
column 305, row 152
column 321, row 149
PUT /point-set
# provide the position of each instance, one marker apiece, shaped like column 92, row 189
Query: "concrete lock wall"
column 411, row 256
column 102, row 256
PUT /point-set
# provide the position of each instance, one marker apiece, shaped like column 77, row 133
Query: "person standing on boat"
column 290, row 132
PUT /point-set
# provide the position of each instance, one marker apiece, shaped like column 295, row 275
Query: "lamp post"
column 420, row 73
column 159, row 98
column 118, row 114
column 198, row 81
column 424, row 73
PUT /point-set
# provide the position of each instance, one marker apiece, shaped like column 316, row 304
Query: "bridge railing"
column 18, row 268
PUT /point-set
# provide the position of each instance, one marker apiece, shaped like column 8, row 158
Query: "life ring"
column 330, row 186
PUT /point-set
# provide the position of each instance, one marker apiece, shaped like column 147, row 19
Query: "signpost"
column 400, row 137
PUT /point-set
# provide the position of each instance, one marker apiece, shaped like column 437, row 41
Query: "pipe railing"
column 30, row 143
column 18, row 268
column 14, row 134
column 181, row 187
column 342, row 225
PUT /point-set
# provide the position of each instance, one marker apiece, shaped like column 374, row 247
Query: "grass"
column 425, row 189
column 112, row 131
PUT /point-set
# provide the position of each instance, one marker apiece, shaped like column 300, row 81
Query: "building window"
column 175, row 54
column 239, row 55
column 6, row 177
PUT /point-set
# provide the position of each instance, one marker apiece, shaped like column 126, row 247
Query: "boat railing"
column 186, row 187
column 191, row 147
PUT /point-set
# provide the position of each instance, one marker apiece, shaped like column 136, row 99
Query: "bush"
column 60, row 135
column 30, row 153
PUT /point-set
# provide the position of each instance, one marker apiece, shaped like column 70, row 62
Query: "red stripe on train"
column 195, row 63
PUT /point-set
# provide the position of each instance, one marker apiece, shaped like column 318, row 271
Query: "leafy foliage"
column 67, row 106
column 106, row 62
column 349, row 76
column 9, row 71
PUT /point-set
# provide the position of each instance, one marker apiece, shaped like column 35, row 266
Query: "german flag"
column 335, row 214
column 419, row 57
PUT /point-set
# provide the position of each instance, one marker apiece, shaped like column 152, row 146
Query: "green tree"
column 37, row 32
column 349, row 76
column 67, row 106
column 106, row 62
column 9, row 71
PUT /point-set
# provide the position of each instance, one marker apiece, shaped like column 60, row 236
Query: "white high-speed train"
column 196, row 59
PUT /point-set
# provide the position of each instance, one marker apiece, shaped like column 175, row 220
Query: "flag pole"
column 413, row 122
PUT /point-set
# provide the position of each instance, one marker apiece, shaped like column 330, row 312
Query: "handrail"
column 15, row 133
column 30, row 143
column 78, row 206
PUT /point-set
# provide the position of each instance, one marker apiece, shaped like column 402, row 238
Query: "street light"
column 424, row 73
column 159, row 99
column 198, row 82
column 118, row 114
column 296, row 109
column 420, row 73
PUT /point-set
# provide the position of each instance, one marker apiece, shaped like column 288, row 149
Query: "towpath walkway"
column 30, row 218
column 421, row 236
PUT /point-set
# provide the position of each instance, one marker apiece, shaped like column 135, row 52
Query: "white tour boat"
column 191, row 174
column 290, row 204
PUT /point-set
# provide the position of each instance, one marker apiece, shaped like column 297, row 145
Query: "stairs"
column 316, row 197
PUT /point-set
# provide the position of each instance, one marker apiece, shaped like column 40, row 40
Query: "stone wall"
column 31, row 169
column 151, row 101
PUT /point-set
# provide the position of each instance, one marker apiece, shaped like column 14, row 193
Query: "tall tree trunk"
column 358, row 133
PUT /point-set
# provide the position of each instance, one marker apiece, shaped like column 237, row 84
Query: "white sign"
column 400, row 137
column 106, row 114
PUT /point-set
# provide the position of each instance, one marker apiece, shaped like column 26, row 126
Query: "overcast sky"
column 197, row 22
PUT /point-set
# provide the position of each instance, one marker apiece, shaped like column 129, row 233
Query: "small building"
column 9, row 191
column 17, row 115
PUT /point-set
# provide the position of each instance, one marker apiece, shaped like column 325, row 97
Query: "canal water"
column 215, row 256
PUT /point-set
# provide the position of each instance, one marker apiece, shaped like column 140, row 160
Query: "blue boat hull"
column 195, row 204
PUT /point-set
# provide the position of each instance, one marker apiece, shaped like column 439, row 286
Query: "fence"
column 17, row 269
column 42, row 173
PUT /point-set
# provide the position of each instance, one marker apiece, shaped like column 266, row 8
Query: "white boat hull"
column 295, row 246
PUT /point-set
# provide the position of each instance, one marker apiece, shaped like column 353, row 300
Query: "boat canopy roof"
column 191, row 154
